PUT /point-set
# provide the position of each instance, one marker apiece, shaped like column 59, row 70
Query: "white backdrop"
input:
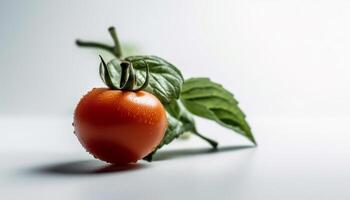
column 281, row 58
column 286, row 61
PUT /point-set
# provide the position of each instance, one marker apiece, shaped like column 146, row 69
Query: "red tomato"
column 119, row 126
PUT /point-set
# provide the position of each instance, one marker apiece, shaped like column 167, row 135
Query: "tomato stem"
column 117, row 47
column 115, row 50
column 95, row 45
column 213, row 143
column 128, row 77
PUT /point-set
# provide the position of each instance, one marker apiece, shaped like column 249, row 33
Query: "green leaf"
column 179, row 122
column 210, row 100
column 165, row 79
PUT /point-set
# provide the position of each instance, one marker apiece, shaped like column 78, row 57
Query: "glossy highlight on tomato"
column 119, row 126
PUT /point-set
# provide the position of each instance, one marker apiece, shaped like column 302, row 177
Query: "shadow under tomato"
column 86, row 167
column 95, row 167
column 179, row 153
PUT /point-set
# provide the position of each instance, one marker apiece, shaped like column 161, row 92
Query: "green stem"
column 117, row 47
column 115, row 50
column 213, row 143
column 94, row 45
column 128, row 76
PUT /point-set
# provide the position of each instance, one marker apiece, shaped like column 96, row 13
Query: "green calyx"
column 127, row 79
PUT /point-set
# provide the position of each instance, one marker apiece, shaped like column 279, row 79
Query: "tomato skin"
column 119, row 126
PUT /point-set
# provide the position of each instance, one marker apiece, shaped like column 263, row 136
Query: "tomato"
column 119, row 126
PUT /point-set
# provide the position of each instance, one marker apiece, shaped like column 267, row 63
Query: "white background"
column 287, row 62
column 285, row 58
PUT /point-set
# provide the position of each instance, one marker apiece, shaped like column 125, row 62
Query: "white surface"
column 296, row 159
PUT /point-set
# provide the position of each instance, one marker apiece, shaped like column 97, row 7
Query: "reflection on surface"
column 197, row 173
